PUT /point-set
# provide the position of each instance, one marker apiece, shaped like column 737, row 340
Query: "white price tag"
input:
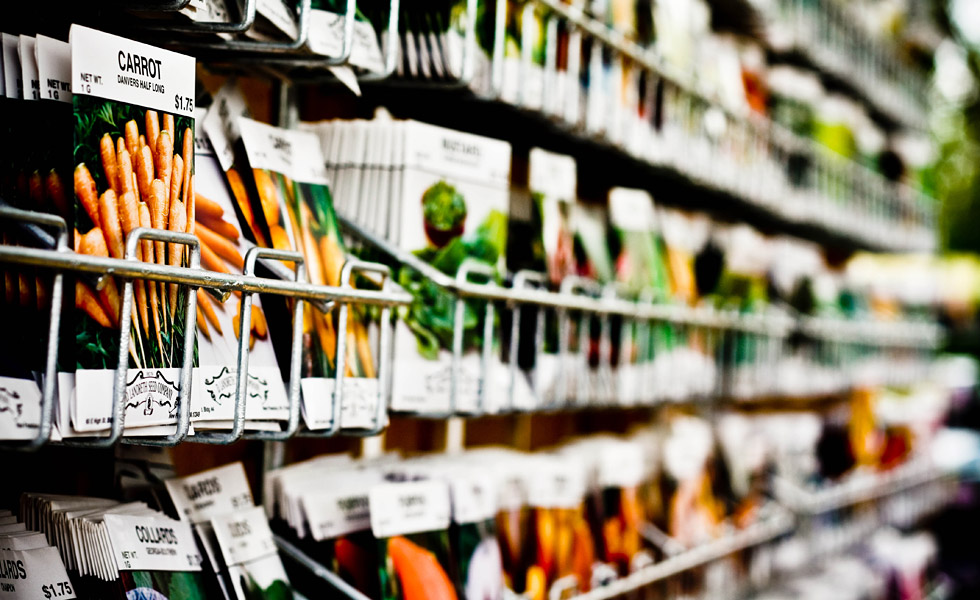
column 112, row 67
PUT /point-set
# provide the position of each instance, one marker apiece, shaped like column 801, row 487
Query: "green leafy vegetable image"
column 431, row 314
column 444, row 211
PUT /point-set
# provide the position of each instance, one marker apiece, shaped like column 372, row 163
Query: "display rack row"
column 829, row 37
column 659, row 116
column 907, row 494
column 728, row 353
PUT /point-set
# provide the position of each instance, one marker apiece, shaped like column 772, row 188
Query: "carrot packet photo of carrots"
column 411, row 521
column 223, row 248
column 133, row 167
column 288, row 171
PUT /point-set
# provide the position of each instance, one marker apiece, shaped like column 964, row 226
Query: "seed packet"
column 34, row 573
column 620, row 471
column 693, row 514
column 203, row 495
column 478, row 567
column 154, row 556
column 337, row 528
column 552, row 182
column 742, row 286
column 251, row 567
column 123, row 90
column 587, row 370
column 223, row 247
column 524, row 73
column 561, row 543
column 410, row 521
column 746, row 454
column 275, row 482
column 327, row 30
column 641, row 271
column 274, row 19
column 289, row 170
column 452, row 207
column 24, row 540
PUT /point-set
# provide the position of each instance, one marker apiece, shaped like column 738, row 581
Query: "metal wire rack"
column 578, row 303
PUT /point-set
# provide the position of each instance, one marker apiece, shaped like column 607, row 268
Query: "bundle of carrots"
column 218, row 250
column 149, row 184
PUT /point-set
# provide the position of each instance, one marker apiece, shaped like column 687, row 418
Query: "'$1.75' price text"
column 57, row 590
column 183, row 104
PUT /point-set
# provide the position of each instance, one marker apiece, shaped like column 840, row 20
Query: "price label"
column 30, row 574
column 183, row 104
column 61, row 589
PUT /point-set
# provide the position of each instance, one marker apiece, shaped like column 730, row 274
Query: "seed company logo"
column 11, row 403
column 222, row 386
column 151, row 390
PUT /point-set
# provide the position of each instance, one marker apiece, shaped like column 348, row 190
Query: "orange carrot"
column 268, row 195
column 152, row 129
column 86, row 192
column 190, row 201
column 109, row 217
column 93, row 243
column 158, row 215
column 146, row 246
column 125, row 166
column 148, row 257
column 144, row 171
column 363, row 345
column 108, row 153
column 207, row 208
column 35, row 188
column 163, row 161
column 25, row 284
column 168, row 125
column 204, row 302
column 129, row 212
column 221, row 246
column 129, row 216
column 187, row 154
column 56, row 193
column 241, row 198
column 210, row 260
column 202, row 324
column 132, row 140
column 259, row 325
column 178, row 174
column 176, row 255
column 220, row 227
column 85, row 300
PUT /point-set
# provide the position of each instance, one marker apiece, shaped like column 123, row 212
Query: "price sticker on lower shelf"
column 34, row 575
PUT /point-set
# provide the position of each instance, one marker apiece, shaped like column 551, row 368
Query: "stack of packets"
column 444, row 196
column 235, row 534
column 114, row 550
column 36, row 177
